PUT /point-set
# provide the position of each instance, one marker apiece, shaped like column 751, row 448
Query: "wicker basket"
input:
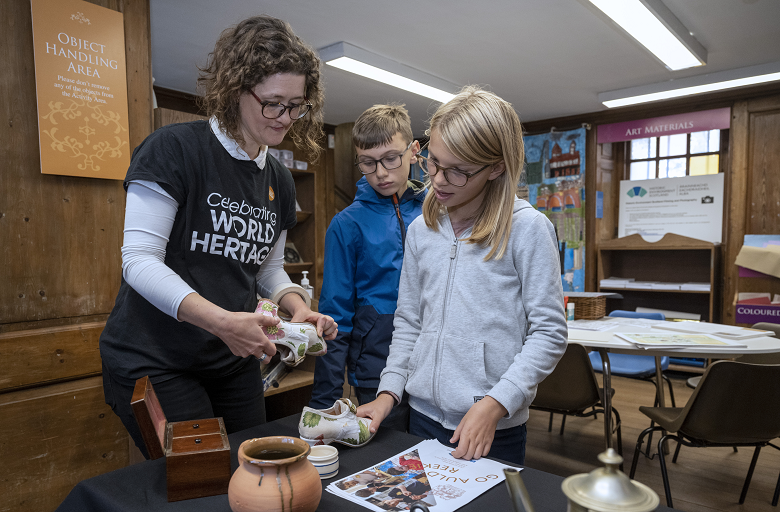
column 589, row 308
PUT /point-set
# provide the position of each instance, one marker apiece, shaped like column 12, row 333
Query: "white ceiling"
column 550, row 58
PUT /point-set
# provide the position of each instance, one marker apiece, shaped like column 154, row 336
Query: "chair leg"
column 619, row 436
column 671, row 390
column 676, row 453
column 749, row 475
column 563, row 424
column 638, row 448
column 664, row 474
column 549, row 427
column 650, row 441
column 777, row 492
column 735, row 450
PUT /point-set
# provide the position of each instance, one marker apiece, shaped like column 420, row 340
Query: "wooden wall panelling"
column 61, row 234
column 764, row 161
column 164, row 116
column 753, row 191
column 345, row 173
column 59, row 435
column 591, row 253
column 605, row 174
column 324, row 208
column 61, row 239
column 48, row 355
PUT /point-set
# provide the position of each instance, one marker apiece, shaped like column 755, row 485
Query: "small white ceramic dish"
column 325, row 459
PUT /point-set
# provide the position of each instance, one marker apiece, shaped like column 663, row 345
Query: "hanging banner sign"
column 81, row 86
column 555, row 176
column 717, row 119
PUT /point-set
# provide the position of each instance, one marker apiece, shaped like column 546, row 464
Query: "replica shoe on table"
column 293, row 340
column 339, row 424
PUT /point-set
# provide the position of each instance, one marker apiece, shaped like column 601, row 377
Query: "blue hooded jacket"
column 364, row 251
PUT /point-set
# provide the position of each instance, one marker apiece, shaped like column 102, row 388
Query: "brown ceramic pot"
column 274, row 475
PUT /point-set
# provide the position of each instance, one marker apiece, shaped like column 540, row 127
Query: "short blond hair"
column 480, row 128
column 379, row 124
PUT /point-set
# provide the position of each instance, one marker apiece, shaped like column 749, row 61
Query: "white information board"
column 690, row 206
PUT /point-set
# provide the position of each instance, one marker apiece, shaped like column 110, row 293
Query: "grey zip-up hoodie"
column 466, row 328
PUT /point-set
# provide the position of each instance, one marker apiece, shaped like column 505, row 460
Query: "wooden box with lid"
column 197, row 453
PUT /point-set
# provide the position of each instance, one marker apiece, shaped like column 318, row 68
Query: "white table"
column 606, row 341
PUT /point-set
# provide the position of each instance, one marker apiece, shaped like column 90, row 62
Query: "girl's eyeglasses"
column 453, row 175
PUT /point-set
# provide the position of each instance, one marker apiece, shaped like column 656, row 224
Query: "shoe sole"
column 314, row 442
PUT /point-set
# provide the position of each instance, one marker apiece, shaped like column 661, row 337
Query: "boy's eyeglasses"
column 272, row 110
column 453, row 175
column 389, row 162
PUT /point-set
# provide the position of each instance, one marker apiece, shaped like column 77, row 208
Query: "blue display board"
column 555, row 175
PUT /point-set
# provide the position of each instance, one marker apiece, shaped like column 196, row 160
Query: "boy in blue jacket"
column 364, row 250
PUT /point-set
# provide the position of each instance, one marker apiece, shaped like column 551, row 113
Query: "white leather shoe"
column 294, row 340
column 339, row 424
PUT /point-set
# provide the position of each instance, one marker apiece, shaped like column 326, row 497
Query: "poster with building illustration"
column 555, row 177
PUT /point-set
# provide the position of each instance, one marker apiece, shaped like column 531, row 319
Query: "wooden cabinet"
column 673, row 259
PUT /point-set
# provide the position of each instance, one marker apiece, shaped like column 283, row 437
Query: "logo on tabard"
column 271, row 194
column 707, row 200
column 636, row 191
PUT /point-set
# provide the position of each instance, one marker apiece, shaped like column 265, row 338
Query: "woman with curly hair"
column 206, row 219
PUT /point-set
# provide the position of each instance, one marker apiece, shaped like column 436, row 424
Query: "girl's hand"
column 476, row 430
column 376, row 410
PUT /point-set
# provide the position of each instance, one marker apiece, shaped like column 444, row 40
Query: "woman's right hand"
column 376, row 410
column 241, row 332
column 244, row 336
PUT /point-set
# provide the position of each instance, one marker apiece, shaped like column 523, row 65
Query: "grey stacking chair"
column 735, row 404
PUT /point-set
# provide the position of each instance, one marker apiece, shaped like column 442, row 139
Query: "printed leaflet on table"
column 425, row 473
column 676, row 340
column 730, row 332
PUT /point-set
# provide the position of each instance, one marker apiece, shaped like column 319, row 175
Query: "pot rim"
column 271, row 440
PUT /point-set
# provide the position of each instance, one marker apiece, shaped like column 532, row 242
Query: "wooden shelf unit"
column 673, row 259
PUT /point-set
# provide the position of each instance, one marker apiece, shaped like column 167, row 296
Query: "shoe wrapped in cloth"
column 339, row 424
column 293, row 340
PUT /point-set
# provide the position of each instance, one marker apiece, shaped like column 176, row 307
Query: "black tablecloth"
column 141, row 487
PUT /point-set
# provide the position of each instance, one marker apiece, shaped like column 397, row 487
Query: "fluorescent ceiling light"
column 656, row 28
column 692, row 85
column 361, row 62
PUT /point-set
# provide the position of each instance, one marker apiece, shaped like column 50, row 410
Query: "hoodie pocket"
column 421, row 367
column 462, row 379
column 453, row 378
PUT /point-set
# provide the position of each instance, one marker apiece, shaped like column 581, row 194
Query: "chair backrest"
column 621, row 313
column 572, row 385
column 767, row 326
column 736, row 403
column 773, row 358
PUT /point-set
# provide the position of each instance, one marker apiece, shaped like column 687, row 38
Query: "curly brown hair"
column 247, row 54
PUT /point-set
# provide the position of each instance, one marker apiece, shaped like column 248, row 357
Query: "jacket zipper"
column 400, row 222
column 439, row 344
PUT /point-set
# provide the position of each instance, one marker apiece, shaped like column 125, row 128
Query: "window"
column 675, row 156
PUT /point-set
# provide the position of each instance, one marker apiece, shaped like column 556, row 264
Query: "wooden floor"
column 703, row 480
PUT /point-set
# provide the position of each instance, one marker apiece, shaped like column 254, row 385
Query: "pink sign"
column 718, row 119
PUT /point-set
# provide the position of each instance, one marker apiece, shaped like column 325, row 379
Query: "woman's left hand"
column 326, row 326
column 477, row 429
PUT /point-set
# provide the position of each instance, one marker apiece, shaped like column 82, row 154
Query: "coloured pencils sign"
column 81, row 89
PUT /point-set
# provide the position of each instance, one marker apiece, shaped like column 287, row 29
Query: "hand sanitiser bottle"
column 305, row 283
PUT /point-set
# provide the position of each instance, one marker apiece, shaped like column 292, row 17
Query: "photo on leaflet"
column 396, row 484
